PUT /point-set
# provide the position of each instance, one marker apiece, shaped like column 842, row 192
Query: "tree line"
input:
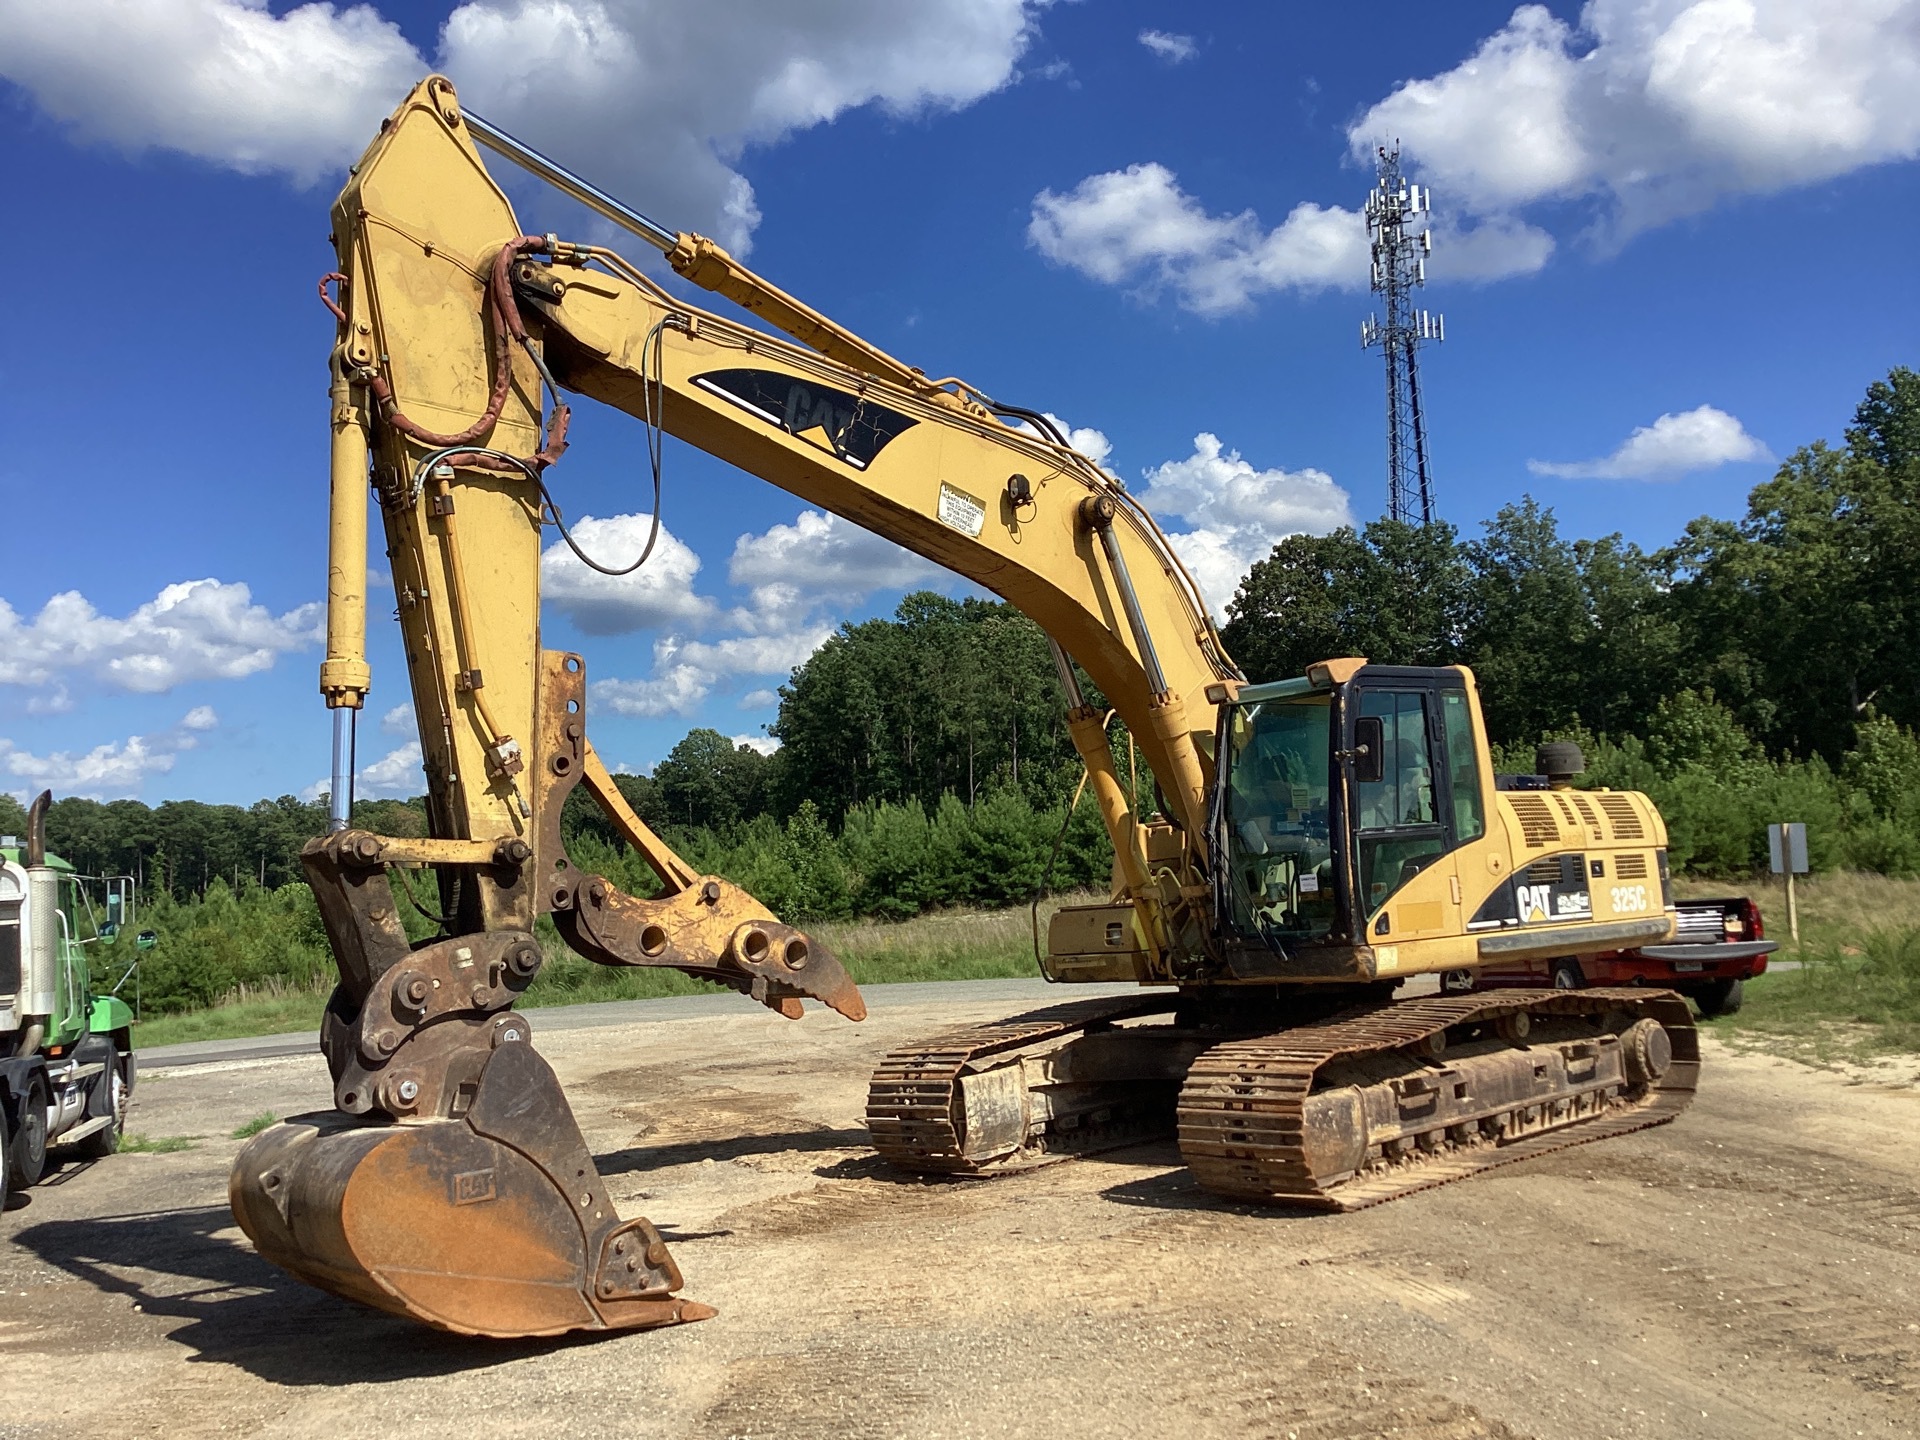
column 1757, row 669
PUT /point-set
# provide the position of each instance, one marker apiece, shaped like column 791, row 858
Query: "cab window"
column 1403, row 795
column 1397, row 820
column 1278, row 765
column 1463, row 768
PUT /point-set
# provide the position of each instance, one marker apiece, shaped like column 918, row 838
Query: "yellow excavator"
column 1318, row 840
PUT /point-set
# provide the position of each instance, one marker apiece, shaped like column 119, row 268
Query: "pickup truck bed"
column 1717, row 945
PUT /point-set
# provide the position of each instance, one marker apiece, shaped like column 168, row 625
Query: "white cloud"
column 1091, row 443
column 677, row 690
column 759, row 699
column 225, row 80
column 111, row 771
column 1496, row 247
column 653, row 99
column 685, row 672
column 57, row 701
column 196, row 630
column 765, row 744
column 1659, row 108
column 789, row 569
column 1171, row 48
column 398, row 720
column 1645, row 111
column 774, row 654
column 1237, row 513
column 1137, row 226
column 397, row 775
column 1675, row 444
column 659, row 593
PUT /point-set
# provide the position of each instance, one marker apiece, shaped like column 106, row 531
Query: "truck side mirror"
column 1369, row 750
column 145, row 940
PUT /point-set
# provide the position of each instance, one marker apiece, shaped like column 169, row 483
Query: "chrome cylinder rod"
column 564, row 180
column 1130, row 603
column 1069, row 681
column 340, row 800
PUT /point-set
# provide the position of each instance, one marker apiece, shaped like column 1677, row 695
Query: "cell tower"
column 1400, row 266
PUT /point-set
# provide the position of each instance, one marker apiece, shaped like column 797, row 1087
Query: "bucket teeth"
column 495, row 1223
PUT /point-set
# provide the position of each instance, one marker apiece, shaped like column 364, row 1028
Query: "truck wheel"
column 1722, row 997
column 1458, row 982
column 103, row 1143
column 1566, row 975
column 27, row 1155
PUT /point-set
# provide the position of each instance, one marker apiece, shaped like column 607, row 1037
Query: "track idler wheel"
column 492, row 1223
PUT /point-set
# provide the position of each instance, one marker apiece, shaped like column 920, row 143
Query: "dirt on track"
column 1751, row 1270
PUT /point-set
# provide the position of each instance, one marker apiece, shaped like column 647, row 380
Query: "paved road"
column 1014, row 993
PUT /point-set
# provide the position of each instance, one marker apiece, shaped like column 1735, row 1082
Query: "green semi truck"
column 66, row 1052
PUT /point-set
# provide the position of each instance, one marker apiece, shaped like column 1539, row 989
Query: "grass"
column 154, row 1144
column 1835, row 910
column 946, row 945
column 254, row 1126
column 1858, row 995
column 1848, row 1001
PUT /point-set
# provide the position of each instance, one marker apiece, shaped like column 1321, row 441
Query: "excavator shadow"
column 233, row 1308
column 635, row 1159
column 1175, row 1189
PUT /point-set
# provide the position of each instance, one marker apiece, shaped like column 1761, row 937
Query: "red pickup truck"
column 1717, row 944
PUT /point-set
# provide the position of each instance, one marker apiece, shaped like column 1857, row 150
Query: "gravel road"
column 1752, row 1270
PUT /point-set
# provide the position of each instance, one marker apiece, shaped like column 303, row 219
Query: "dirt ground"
column 1752, row 1270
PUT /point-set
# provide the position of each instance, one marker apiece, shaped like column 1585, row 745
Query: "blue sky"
column 1670, row 247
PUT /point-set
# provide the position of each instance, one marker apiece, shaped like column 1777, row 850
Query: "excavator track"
column 914, row 1109
column 1249, row 1127
column 1335, row 1114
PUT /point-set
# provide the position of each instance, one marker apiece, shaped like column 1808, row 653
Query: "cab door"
column 1403, row 821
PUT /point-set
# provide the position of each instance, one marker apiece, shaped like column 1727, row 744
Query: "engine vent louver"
column 1630, row 867
column 1586, row 810
column 1536, row 820
column 1620, row 814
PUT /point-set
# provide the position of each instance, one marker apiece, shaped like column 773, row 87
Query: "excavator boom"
column 1317, row 839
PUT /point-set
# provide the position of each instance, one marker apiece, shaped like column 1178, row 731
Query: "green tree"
column 1886, row 425
column 1397, row 594
column 707, row 780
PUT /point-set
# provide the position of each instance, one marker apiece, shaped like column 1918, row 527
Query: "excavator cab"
column 1341, row 787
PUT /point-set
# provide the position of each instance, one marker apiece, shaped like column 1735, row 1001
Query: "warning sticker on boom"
column 961, row 510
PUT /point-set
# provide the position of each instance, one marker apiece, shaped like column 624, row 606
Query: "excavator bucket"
column 450, row 1183
column 494, row 1222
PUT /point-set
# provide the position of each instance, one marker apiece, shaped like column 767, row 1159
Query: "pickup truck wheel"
column 1566, row 975
column 103, row 1143
column 1722, row 997
column 27, row 1155
column 1458, row 982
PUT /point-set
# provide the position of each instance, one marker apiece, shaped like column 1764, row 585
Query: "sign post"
column 1787, row 846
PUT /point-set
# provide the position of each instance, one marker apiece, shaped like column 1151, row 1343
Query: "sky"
column 1671, row 246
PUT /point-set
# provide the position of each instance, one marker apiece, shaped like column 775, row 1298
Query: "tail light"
column 1747, row 915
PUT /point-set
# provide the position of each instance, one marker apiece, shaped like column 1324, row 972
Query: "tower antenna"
column 1399, row 267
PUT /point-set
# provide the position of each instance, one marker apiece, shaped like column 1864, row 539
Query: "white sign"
column 961, row 511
